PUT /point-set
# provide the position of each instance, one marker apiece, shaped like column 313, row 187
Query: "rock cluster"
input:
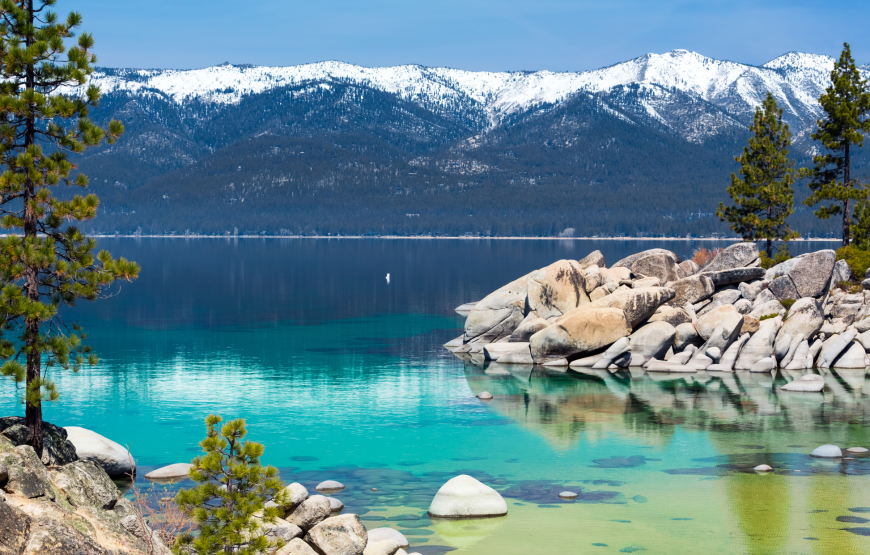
column 655, row 311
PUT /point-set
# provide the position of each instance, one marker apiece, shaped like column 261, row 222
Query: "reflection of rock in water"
column 563, row 406
column 465, row 533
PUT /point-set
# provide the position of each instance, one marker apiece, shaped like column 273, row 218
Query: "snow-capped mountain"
column 795, row 79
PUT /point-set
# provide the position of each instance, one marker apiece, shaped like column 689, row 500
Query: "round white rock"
column 385, row 533
column 762, row 468
column 568, row 495
column 177, row 470
column 857, row 450
column 485, row 396
column 463, row 496
column 102, row 451
column 330, row 485
column 827, row 452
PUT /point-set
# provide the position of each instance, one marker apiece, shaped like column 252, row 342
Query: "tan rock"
column 580, row 330
column 598, row 293
column 750, row 324
column 339, row 535
column 657, row 265
column 556, row 289
column 671, row 315
column 709, row 321
column 638, row 304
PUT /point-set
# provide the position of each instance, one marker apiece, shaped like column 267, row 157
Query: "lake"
column 342, row 376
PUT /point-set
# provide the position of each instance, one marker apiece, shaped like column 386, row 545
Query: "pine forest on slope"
column 641, row 148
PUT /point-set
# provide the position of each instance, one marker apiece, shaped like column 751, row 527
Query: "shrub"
column 768, row 317
column 857, row 258
column 782, row 254
column 787, row 303
column 849, row 287
column 702, row 256
column 229, row 504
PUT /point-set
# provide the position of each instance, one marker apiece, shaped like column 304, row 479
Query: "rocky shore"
column 655, row 312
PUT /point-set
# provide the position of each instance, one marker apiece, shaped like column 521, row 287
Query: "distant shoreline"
column 452, row 237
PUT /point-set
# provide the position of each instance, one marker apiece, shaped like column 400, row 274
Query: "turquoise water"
column 342, row 376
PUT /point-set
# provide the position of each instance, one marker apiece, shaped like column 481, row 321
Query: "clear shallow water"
column 342, row 376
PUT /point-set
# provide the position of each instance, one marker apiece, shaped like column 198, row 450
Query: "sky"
column 477, row 35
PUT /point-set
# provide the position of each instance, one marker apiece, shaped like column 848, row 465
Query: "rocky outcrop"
column 657, row 265
column 637, row 304
column 691, row 290
column 579, row 331
column 812, row 273
column 499, row 313
column 57, row 449
column 556, row 289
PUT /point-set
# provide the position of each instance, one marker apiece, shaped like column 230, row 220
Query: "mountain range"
column 644, row 147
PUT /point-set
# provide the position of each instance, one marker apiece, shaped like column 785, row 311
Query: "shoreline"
column 450, row 237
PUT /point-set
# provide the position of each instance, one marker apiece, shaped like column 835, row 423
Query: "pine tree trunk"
column 769, row 248
column 33, row 410
column 847, row 216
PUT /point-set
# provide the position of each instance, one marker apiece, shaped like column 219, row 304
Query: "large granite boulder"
column 751, row 289
column 768, row 308
column 834, row 346
column 691, row 290
column 86, row 485
column 812, row 274
column 723, row 297
column 658, row 265
column 724, row 334
column 556, row 289
column 465, row 497
column 339, row 535
column 592, row 278
column 386, row 533
column 804, row 317
column 57, row 450
column 25, row 473
column 685, row 335
column 738, row 255
column 594, row 258
column 689, row 268
column 672, row 315
column 638, row 304
column 760, row 345
column 841, row 272
column 710, row 320
column 782, row 268
column 853, row 356
column 629, row 260
column 296, row 546
column 651, row 341
column 499, row 313
column 528, row 328
column 784, row 288
column 580, row 330
column 310, row 512
column 735, row 275
column 112, row 457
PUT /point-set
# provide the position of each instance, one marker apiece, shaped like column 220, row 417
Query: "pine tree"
column 763, row 197
column 229, row 504
column 46, row 262
column 846, row 103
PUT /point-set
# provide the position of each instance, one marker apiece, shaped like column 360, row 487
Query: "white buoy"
column 388, row 278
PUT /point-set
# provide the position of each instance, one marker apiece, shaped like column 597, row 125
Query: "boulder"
column 339, row 535
column 760, row 345
column 651, row 341
column 646, row 282
column 812, row 274
column 841, row 272
column 737, row 275
column 783, row 288
column 598, row 293
column 26, row 475
column 729, row 357
column 517, row 357
column 57, row 450
column 465, row 497
column 329, row 486
column 385, row 533
column 804, row 317
column 799, row 358
column 862, row 326
column 335, row 506
column 763, row 468
column 310, row 512
column 793, row 347
column 581, row 330
column 846, row 306
column 629, row 260
column 638, row 304
column 766, row 364
column 737, row 255
column 853, row 356
column 827, row 452
column 689, row 268
column 14, row 529
column 765, row 296
column 54, row 537
column 781, row 345
column 671, row 315
column 568, row 495
column 296, row 494
column 831, row 350
column 726, row 296
column 86, row 485
column 658, row 265
column 722, row 336
column 691, row 290
column 750, row 290
column 296, row 547
column 112, row 457
column 382, row 547
column 556, row 289
column 592, row 279
column 465, row 308
column 594, row 258
column 781, row 269
column 809, row 383
column 750, row 324
column 685, row 335
column 495, row 351
column 484, row 396
column 768, row 308
column 709, row 321
column 620, row 347
column 499, row 313
column 173, row 471
column 527, row 329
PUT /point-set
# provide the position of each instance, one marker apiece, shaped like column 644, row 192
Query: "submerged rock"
column 827, row 452
column 386, row 533
column 809, row 383
column 465, row 497
column 177, row 470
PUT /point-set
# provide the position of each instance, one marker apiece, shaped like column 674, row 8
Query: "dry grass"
column 157, row 507
column 701, row 255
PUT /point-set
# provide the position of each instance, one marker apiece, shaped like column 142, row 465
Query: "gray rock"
column 385, row 533
column 866, row 284
column 707, row 323
column 714, row 353
column 827, row 452
column 14, row 530
column 841, row 272
column 49, row 536
column 283, row 529
column 296, row 547
column 743, row 306
column 139, row 529
column 689, row 268
column 112, row 457
column 847, row 306
column 594, row 258
column 722, row 337
column 793, row 347
column 750, row 290
column 799, row 360
column 499, row 313
column 762, row 468
column 57, row 450
column 685, row 335
column 781, row 269
column 313, row 510
column 737, row 255
column 86, row 485
column 658, row 265
column 781, row 345
column 335, row 505
column 765, row 296
column 27, row 475
column 831, row 350
column 463, row 496
column 804, row 317
column 569, row 495
column 517, row 357
column 465, row 308
column 766, row 364
column 484, row 396
column 784, row 288
column 853, row 356
column 620, row 347
column 527, row 329
column 495, row 351
column 329, row 486
column 726, row 296
column 737, row 275
column 651, row 341
column 629, row 260
column 771, row 307
column 760, row 345
column 810, row 383
column 296, row 494
column 383, row 547
column 812, row 273
column 556, row 289
column 863, row 326
column 729, row 357
column 173, row 471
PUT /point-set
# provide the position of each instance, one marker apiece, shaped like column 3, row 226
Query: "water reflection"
column 649, row 407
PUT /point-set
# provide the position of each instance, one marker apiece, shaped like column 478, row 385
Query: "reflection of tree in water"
column 562, row 406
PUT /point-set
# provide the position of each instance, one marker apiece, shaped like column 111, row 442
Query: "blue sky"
column 491, row 35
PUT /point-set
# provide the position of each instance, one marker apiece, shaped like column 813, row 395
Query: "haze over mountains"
column 643, row 147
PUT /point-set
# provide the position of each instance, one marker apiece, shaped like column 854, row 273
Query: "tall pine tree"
column 846, row 103
column 763, row 197
column 46, row 262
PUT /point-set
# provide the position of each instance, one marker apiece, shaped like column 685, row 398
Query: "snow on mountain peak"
column 801, row 60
